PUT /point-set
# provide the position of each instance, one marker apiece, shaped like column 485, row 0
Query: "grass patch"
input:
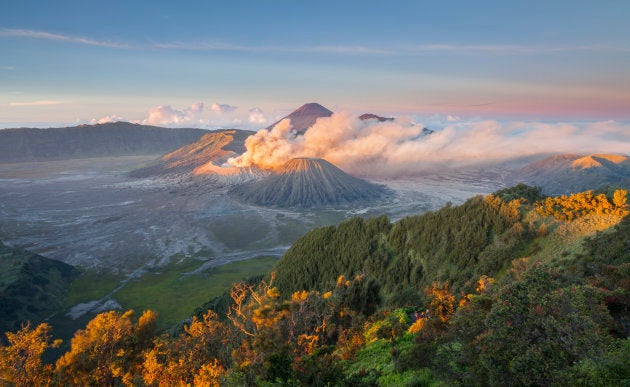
column 91, row 286
column 174, row 296
column 566, row 238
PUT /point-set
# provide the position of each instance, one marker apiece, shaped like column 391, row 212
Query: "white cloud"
column 222, row 107
column 341, row 49
column 257, row 116
column 42, row 35
column 7, row 68
column 106, row 119
column 36, row 103
column 167, row 115
column 216, row 116
column 316, row 49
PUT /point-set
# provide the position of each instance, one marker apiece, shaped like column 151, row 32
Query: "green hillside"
column 507, row 289
column 455, row 244
column 31, row 287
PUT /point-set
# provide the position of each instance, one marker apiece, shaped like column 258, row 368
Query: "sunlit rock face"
column 309, row 183
column 570, row 173
column 202, row 157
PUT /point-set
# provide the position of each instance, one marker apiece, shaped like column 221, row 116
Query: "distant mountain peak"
column 597, row 160
column 568, row 173
column 304, row 117
column 313, row 107
column 370, row 116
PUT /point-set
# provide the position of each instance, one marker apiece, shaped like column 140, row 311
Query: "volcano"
column 309, row 183
column 305, row 117
column 199, row 157
column 568, row 173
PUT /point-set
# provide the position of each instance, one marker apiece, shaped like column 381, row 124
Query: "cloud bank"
column 198, row 115
column 106, row 119
column 386, row 149
column 217, row 115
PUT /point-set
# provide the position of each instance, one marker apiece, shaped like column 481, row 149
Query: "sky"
column 246, row 63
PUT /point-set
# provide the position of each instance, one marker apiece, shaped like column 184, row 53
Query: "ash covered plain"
column 123, row 230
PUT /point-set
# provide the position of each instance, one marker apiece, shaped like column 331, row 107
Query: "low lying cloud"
column 167, row 115
column 381, row 149
column 257, row 116
column 222, row 108
column 106, row 119
column 217, row 115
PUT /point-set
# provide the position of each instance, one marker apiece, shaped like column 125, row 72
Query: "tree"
column 620, row 198
column 198, row 355
column 107, row 351
column 536, row 330
column 442, row 303
column 20, row 361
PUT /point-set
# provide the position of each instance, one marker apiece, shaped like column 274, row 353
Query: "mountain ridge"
column 86, row 141
column 570, row 173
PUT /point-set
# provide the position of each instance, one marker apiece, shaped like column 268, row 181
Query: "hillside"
column 308, row 183
column 453, row 244
column 562, row 174
column 304, row 117
column 85, row 141
column 211, row 148
column 507, row 289
column 32, row 287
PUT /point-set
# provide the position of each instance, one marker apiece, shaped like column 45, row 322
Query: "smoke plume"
column 382, row 149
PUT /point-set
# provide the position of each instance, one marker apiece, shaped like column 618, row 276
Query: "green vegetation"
column 455, row 244
column 32, row 287
column 484, row 302
column 90, row 286
column 173, row 294
column 168, row 290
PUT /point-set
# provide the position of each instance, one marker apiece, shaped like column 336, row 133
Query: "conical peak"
column 305, row 116
column 304, row 164
column 313, row 107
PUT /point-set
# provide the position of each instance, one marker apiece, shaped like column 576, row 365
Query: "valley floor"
column 89, row 214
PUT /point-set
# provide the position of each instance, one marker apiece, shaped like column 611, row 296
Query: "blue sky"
column 76, row 61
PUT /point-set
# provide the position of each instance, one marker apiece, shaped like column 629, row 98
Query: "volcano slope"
column 211, row 149
column 309, row 183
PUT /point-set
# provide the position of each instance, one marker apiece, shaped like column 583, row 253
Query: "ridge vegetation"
column 497, row 291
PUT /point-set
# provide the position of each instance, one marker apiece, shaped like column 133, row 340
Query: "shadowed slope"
column 85, row 141
column 32, row 287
